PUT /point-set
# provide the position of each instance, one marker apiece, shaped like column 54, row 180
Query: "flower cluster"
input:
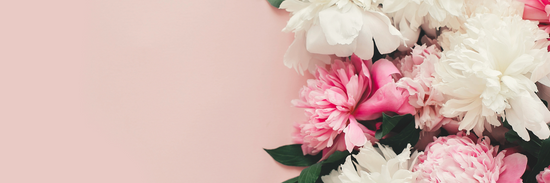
column 350, row 91
column 444, row 83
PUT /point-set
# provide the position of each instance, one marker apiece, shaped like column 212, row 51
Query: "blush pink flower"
column 418, row 75
column 456, row 158
column 538, row 10
column 544, row 176
column 337, row 98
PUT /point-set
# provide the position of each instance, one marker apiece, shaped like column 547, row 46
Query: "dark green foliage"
column 398, row 142
column 275, row 3
column 292, row 155
column 390, row 122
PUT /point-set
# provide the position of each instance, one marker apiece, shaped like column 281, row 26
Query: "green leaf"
column 275, row 3
column 533, row 146
column 390, row 122
column 336, row 156
column 543, row 161
column 293, row 180
column 409, row 135
column 333, row 162
column 291, row 155
column 536, row 147
column 310, row 174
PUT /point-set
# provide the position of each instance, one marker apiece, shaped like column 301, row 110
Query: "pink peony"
column 538, row 10
column 544, row 176
column 418, row 76
column 456, row 158
column 337, row 98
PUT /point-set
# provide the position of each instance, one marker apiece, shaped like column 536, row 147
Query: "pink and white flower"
column 418, row 78
column 544, row 176
column 336, row 27
column 349, row 91
column 457, row 158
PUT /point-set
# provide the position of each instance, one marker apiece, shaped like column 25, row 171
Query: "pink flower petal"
column 457, row 158
column 515, row 167
column 535, row 10
column 386, row 99
column 340, row 146
column 354, row 135
column 544, row 176
column 382, row 71
column 355, row 90
column 336, row 96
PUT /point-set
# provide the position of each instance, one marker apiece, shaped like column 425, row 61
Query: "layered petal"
column 389, row 98
column 490, row 68
column 515, row 165
column 300, row 59
column 338, row 97
column 376, row 165
column 544, row 176
column 354, row 135
column 337, row 27
column 457, row 158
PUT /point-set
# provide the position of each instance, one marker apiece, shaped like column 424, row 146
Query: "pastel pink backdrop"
column 156, row 91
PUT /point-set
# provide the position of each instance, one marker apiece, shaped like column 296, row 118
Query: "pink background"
column 156, row 91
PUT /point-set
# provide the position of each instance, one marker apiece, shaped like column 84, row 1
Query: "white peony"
column 497, row 7
column 339, row 27
column 376, row 165
column 501, row 8
column 490, row 72
column 409, row 15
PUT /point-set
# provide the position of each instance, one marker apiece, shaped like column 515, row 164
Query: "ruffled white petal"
column 337, row 27
column 300, row 59
column 317, row 43
column 376, row 165
column 380, row 27
column 489, row 69
column 340, row 26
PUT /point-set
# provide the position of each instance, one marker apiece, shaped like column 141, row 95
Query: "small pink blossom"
column 538, row 10
column 418, row 76
column 456, row 158
column 544, row 176
column 337, row 98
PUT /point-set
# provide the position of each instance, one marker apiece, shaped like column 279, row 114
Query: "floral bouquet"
column 420, row 90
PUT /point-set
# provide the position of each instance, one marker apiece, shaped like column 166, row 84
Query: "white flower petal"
column 410, row 34
column 380, row 26
column 532, row 115
column 296, row 55
column 487, row 69
column 293, row 5
column 339, row 26
column 316, row 42
column 332, row 177
column 349, row 174
column 370, row 159
column 372, row 167
column 365, row 44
